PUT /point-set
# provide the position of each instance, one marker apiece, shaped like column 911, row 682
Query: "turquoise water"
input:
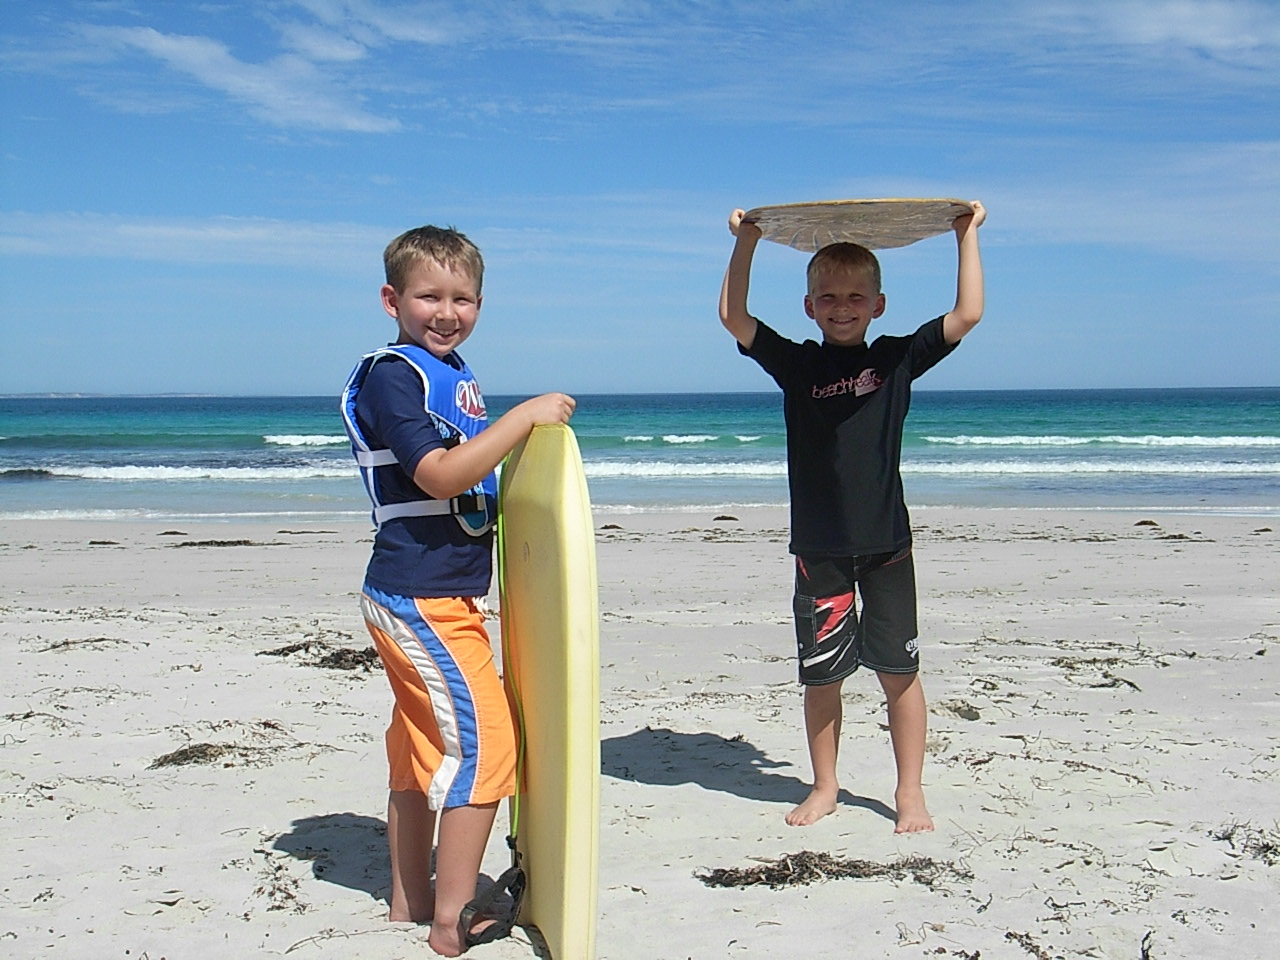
column 227, row 457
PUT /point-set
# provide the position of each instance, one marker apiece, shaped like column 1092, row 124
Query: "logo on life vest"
column 469, row 400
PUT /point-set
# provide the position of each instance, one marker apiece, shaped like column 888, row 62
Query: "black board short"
column 834, row 637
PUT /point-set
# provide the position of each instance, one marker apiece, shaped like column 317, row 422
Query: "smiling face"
column 437, row 309
column 844, row 301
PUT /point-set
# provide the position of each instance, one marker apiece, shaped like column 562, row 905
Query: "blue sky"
column 194, row 196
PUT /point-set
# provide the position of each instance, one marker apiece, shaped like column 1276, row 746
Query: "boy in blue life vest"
column 844, row 402
column 419, row 432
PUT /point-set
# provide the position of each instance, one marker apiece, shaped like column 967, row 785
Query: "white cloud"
column 373, row 23
column 319, row 44
column 1215, row 42
column 228, row 240
column 894, row 63
column 287, row 91
column 1225, row 27
column 1211, row 202
column 1215, row 203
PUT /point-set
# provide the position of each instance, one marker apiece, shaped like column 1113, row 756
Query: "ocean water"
column 221, row 458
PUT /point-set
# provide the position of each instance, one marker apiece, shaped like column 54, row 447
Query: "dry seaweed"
column 84, row 642
column 805, row 867
column 348, row 658
column 1254, row 842
column 1025, row 941
column 331, row 658
column 302, row 646
column 190, row 754
column 252, row 743
column 279, row 886
column 218, row 543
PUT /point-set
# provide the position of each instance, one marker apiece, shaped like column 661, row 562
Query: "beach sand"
column 1103, row 769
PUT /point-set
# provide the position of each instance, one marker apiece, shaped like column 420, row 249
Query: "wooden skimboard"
column 551, row 668
column 876, row 224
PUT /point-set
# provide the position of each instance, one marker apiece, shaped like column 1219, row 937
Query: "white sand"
column 1104, row 705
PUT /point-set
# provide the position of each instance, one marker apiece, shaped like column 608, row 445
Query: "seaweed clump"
column 348, row 658
column 332, row 658
column 806, row 867
column 192, row 753
column 1252, row 841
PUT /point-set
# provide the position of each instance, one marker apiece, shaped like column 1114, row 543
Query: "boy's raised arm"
column 964, row 316
column 733, row 293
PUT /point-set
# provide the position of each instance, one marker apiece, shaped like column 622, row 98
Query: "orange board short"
column 451, row 735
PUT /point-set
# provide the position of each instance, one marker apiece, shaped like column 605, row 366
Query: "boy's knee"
column 817, row 692
column 897, row 682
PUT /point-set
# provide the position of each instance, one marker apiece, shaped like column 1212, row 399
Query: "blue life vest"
column 452, row 399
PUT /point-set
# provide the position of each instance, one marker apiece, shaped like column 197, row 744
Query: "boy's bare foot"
column 817, row 805
column 445, row 940
column 449, row 940
column 913, row 816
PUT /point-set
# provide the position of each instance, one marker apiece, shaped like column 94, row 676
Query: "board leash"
column 517, row 702
column 513, row 880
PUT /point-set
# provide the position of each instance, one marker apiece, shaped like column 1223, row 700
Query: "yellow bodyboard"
column 875, row 224
column 551, row 669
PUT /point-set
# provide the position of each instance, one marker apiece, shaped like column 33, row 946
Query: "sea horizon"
column 916, row 390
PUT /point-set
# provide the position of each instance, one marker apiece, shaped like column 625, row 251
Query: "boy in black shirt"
column 845, row 402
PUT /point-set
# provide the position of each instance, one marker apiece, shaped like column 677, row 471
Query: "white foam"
column 305, row 440
column 616, row 469
column 1150, row 440
column 658, row 469
column 134, row 473
column 689, row 437
column 1152, row 468
column 185, row 515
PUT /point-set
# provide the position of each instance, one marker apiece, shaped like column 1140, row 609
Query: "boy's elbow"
column 439, row 492
column 433, row 479
column 730, row 319
column 742, row 327
column 957, row 325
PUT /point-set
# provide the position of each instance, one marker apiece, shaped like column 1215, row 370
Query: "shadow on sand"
column 351, row 850
column 666, row 758
column 344, row 848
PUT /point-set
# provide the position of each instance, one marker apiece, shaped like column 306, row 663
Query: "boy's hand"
column 548, row 408
column 961, row 225
column 743, row 228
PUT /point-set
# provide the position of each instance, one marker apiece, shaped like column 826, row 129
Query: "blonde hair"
column 837, row 257
column 442, row 245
